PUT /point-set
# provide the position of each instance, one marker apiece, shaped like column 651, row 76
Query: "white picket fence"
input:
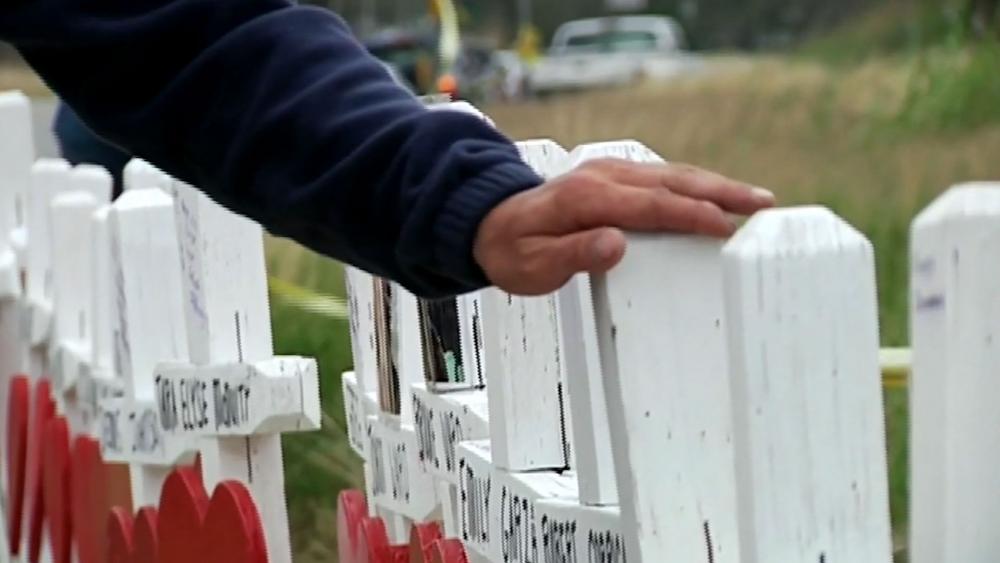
column 705, row 401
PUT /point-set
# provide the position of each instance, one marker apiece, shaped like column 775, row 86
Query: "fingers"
column 544, row 264
column 682, row 179
column 596, row 251
column 637, row 209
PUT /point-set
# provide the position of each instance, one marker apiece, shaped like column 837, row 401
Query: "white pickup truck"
column 611, row 51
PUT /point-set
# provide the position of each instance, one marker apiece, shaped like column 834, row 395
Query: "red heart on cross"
column 183, row 504
column 232, row 531
column 351, row 509
column 119, row 531
column 43, row 408
column 450, row 551
column 144, row 536
column 373, row 541
column 55, row 475
column 423, row 540
column 89, row 503
column 18, row 407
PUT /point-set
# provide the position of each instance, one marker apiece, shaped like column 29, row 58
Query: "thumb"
column 594, row 251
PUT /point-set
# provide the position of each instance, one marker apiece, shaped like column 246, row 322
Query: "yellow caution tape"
column 895, row 364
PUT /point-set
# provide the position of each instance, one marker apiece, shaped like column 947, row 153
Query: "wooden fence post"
column 954, row 419
column 808, row 426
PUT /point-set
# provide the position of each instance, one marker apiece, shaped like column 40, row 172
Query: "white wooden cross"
column 16, row 155
column 662, row 338
column 73, row 260
column 98, row 379
column 404, row 485
column 148, row 328
column 48, row 178
column 234, row 397
column 808, row 425
column 524, row 379
column 955, row 317
column 585, row 383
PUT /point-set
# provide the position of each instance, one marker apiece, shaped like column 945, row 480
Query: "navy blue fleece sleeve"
column 277, row 112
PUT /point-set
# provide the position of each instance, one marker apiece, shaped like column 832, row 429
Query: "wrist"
column 458, row 225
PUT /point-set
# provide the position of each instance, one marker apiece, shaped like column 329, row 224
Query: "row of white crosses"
column 702, row 402
column 151, row 316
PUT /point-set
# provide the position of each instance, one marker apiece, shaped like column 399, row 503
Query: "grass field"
column 813, row 132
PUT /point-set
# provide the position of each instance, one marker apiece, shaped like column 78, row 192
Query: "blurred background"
column 871, row 107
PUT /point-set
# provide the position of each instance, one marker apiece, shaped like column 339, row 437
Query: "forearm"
column 278, row 113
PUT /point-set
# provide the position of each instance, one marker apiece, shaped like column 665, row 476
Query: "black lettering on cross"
column 166, row 400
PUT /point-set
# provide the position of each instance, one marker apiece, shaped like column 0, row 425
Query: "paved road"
column 42, row 111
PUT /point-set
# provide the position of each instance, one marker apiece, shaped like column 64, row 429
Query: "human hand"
column 534, row 241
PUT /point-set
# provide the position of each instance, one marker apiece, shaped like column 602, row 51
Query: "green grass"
column 318, row 465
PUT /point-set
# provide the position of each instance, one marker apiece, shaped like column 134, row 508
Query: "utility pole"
column 524, row 12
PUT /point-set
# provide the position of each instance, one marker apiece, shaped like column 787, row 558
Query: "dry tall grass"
column 807, row 131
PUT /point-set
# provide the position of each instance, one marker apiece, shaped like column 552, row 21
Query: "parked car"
column 611, row 51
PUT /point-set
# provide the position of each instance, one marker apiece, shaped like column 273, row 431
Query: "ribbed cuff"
column 458, row 223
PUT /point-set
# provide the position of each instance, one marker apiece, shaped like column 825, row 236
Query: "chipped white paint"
column 522, row 362
column 269, row 396
column 955, row 326
column 523, row 371
column 570, row 532
column 225, row 306
column 809, row 435
column 584, row 381
column 148, row 327
column 442, row 421
column 662, row 342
